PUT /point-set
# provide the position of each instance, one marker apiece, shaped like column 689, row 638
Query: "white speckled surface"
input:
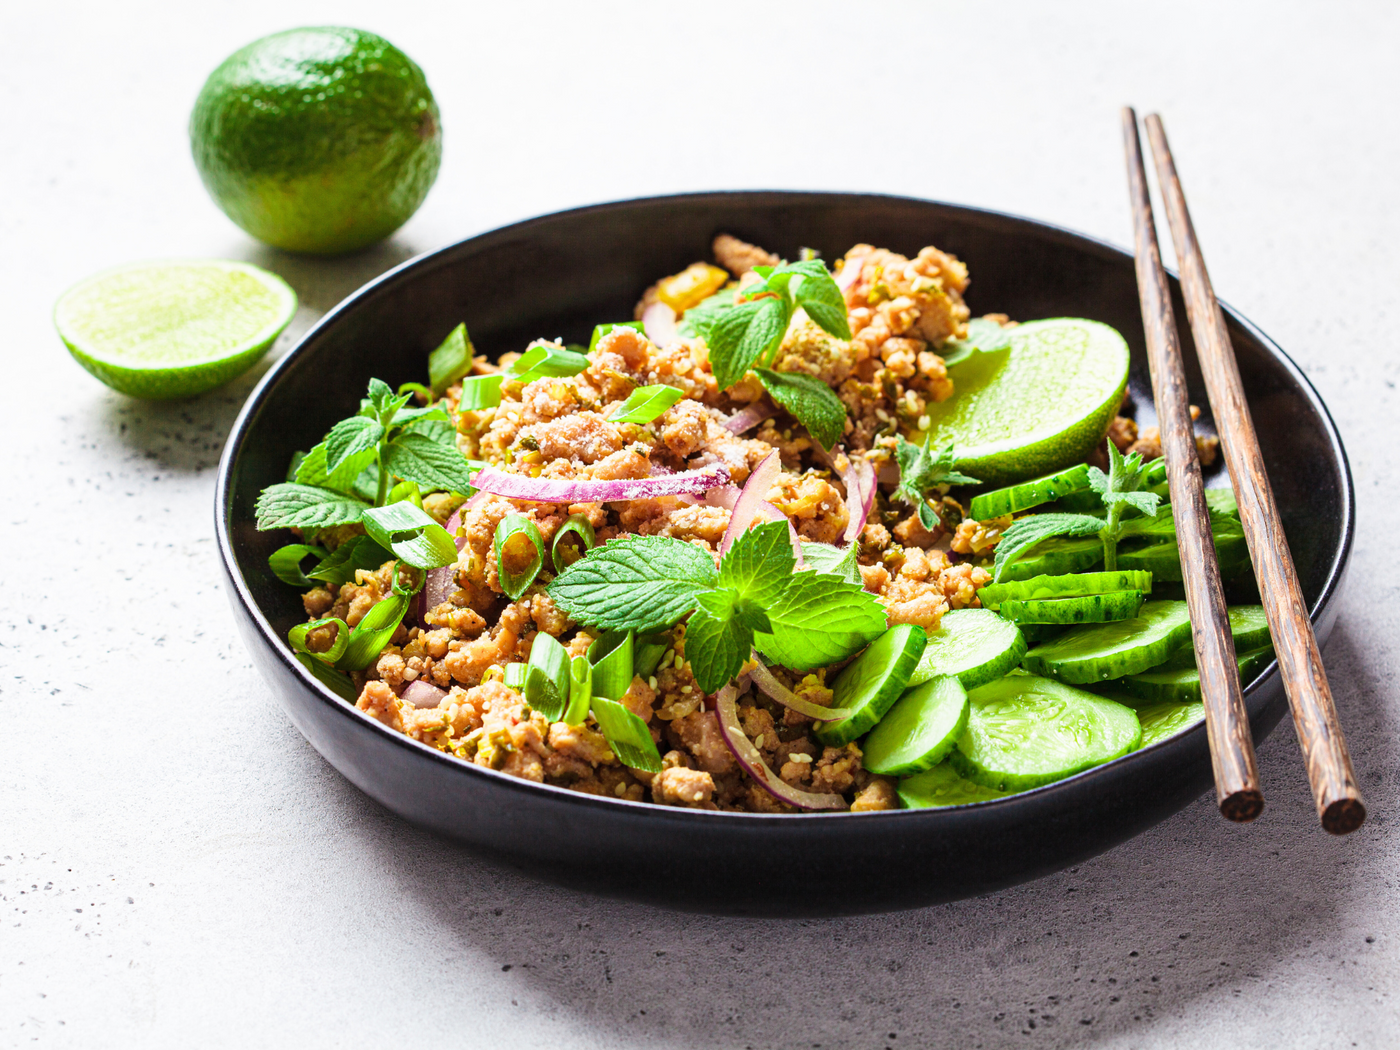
column 177, row 867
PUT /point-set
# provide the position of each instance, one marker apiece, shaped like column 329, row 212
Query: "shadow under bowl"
column 560, row 274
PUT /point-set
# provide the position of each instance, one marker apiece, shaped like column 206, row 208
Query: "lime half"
column 1038, row 407
column 163, row 330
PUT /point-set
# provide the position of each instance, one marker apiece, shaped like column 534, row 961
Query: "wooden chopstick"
column 1339, row 803
column 1227, row 721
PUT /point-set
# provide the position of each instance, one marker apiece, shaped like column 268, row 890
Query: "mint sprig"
column 754, row 600
column 811, row 402
column 923, row 472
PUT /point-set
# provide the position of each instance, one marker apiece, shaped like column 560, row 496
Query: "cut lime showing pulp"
column 163, row 330
column 1038, row 407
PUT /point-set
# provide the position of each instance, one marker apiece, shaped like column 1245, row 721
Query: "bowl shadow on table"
column 1196, row 907
column 188, row 435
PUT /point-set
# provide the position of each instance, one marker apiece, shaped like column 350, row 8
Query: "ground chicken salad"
column 792, row 538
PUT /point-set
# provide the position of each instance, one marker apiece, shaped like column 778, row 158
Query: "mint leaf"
column 1026, row 532
column 411, row 535
column 340, row 565
column 696, row 320
column 645, row 404
column 811, row 401
column 450, row 361
column 716, row 646
column 819, row 295
column 819, row 620
column 436, row 430
column 294, row 506
column 834, row 561
column 350, row 436
column 759, row 564
column 741, row 336
column 417, row 457
column 922, row 472
column 380, row 395
column 311, row 470
column 985, row 337
column 405, row 416
column 641, row 582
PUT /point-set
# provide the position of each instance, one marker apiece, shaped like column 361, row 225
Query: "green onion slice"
column 296, row 638
column 603, row 329
column 627, row 735
column 341, row 564
column 540, row 361
column 286, row 563
column 647, row 652
column 448, row 363
column 611, row 657
column 580, row 690
column 416, row 388
column 645, row 404
column 480, row 392
column 406, row 490
column 547, row 681
column 413, row 536
column 560, row 553
column 512, row 534
column 372, row 633
column 336, row 682
column 515, row 677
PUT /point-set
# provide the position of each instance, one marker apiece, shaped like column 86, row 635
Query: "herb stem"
column 1109, row 535
column 383, row 475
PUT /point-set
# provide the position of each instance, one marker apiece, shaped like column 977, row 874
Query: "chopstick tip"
column 1344, row 816
column 1242, row 806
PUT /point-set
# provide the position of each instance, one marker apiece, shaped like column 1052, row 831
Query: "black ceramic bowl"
column 557, row 276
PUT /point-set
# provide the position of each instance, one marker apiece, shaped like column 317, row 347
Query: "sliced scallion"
column 286, row 563
column 561, row 553
column 546, row 360
column 645, row 404
column 480, row 392
column 296, row 638
column 627, row 735
column 449, row 362
column 333, row 680
column 648, row 651
column 341, row 564
column 518, row 541
column 603, row 329
column 580, row 691
column 611, row 657
column 406, row 490
column 372, row 633
column 412, row 536
column 514, row 677
column 547, row 677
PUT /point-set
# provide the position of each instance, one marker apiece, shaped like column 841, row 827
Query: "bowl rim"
column 1192, row 738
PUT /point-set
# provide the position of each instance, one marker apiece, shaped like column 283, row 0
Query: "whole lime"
column 319, row 140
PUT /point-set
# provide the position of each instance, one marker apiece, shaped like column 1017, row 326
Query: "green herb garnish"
column 645, row 404
column 517, row 534
column 580, row 690
column 410, row 534
column 611, row 657
column 603, row 329
column 286, row 563
column 547, row 677
column 341, row 564
column 560, row 552
column 449, row 362
column 480, row 392
column 810, row 401
column 546, row 360
column 627, row 735
column 983, row 336
column 922, row 472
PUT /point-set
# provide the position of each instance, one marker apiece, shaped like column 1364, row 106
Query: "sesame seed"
column 882, row 415
column 925, row 422
column 621, row 790
column 687, row 689
column 800, row 757
column 758, row 740
column 652, row 681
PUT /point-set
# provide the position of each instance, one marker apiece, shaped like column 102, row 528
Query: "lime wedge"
column 1038, row 407
column 162, row 330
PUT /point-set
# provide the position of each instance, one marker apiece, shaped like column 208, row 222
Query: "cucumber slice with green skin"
column 1163, row 560
column 1029, row 494
column 919, row 730
column 974, row 645
column 1086, row 502
column 941, row 786
column 1098, row 652
column 1248, row 625
column 1086, row 608
column 1070, row 585
column 871, row 685
column 1035, row 633
column 1162, row 720
column 1024, row 731
column 1057, row 556
column 1183, row 684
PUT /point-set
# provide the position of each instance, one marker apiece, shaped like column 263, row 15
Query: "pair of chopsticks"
column 1330, row 773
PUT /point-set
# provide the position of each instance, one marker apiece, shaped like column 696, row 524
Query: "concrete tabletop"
column 179, row 868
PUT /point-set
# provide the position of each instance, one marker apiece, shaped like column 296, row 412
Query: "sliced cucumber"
column 1162, row 720
column 941, row 786
column 1024, row 731
column 1029, row 494
column 975, row 645
column 1183, row 684
column 871, row 685
column 1163, row 559
column 1085, row 608
column 1035, row 633
column 1070, row 585
column 1084, row 502
column 1056, row 556
column 919, row 730
column 1098, row 652
column 1248, row 625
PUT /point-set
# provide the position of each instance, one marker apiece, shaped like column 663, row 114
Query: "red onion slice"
column 422, row 694
column 850, row 272
column 659, row 324
column 750, row 496
column 729, row 496
column 748, row 418
column 768, row 683
column 749, row 757
column 568, row 490
column 860, row 495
